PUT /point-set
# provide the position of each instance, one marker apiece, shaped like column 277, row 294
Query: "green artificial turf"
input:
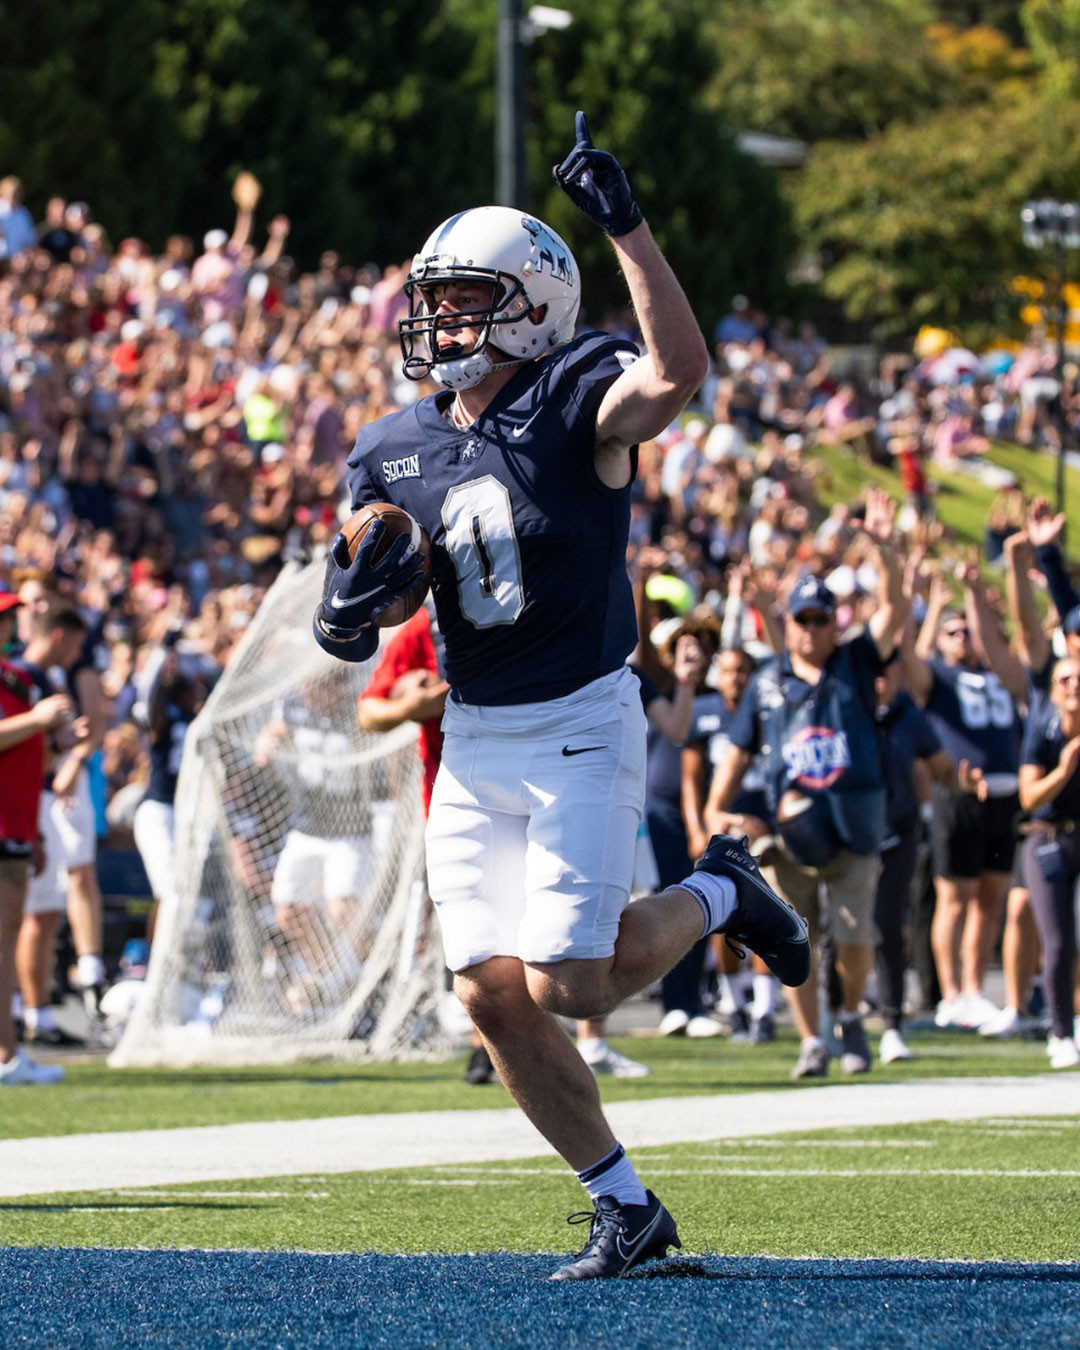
column 986, row 1190
column 94, row 1098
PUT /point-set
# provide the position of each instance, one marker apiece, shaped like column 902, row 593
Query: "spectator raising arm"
column 672, row 718
column 1032, row 642
column 916, row 654
column 1044, row 531
column 889, row 620
column 986, row 633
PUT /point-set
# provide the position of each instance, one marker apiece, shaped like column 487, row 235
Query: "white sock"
column 614, row 1175
column 715, row 895
column 91, row 971
column 39, row 1019
column 16, row 1006
column 764, row 996
column 807, row 1041
column 846, row 1017
column 591, row 1046
column 728, row 1002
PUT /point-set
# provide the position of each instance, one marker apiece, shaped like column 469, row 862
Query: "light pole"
column 1053, row 224
column 515, row 32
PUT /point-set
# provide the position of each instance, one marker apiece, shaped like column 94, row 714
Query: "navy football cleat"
column 620, row 1237
column 761, row 920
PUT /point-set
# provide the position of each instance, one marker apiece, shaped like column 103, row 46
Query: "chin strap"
column 468, row 371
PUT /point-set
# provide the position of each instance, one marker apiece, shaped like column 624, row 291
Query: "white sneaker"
column 948, row 1012
column 1006, row 1023
column 605, row 1060
column 674, row 1023
column 892, row 1047
column 978, row 1010
column 23, row 1069
column 701, row 1028
column 1064, row 1052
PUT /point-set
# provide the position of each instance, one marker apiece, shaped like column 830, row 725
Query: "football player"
column 520, row 471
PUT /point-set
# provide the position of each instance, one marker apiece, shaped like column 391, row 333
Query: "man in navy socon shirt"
column 810, row 713
column 520, row 472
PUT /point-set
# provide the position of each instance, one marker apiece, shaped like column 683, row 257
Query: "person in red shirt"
column 24, row 720
column 406, row 686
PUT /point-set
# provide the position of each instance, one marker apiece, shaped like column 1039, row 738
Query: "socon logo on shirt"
column 817, row 756
column 406, row 467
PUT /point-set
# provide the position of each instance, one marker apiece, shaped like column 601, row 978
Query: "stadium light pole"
column 515, row 32
column 1052, row 224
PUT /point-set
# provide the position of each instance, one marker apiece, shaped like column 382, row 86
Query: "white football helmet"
column 532, row 273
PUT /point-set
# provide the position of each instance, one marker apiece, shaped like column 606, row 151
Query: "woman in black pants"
column 1050, row 791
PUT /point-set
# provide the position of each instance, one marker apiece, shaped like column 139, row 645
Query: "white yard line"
column 93, row 1162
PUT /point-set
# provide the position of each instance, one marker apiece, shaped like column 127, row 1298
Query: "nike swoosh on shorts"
column 584, row 750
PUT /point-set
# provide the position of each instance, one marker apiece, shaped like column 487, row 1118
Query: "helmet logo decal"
column 549, row 249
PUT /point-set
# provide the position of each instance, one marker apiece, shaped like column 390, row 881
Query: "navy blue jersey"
column 663, row 769
column 1044, row 741
column 821, row 739
column 663, row 758
column 528, row 545
column 909, row 735
column 166, row 752
column 975, row 716
column 710, row 724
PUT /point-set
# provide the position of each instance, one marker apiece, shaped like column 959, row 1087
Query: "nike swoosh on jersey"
column 521, row 430
column 336, row 601
column 583, row 750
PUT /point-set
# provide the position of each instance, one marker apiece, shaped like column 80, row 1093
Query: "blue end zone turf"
column 209, row 1299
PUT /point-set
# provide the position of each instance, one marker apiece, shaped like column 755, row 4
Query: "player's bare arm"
column 654, row 390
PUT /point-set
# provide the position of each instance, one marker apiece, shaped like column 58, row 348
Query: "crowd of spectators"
column 174, row 426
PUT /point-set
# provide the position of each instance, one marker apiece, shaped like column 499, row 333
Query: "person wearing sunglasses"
column 1050, row 790
column 810, row 713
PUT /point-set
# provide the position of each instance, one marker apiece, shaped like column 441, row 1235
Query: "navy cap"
column 811, row 593
column 1072, row 620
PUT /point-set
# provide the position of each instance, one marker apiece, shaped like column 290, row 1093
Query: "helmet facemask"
column 453, row 364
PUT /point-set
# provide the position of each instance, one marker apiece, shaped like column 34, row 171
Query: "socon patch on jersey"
column 408, row 466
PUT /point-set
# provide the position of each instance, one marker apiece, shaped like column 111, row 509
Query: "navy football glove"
column 596, row 183
column 357, row 591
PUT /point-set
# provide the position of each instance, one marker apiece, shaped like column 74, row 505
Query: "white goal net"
column 299, row 927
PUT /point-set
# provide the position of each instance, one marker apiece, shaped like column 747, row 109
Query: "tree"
column 821, row 69
column 639, row 68
column 81, row 115
column 921, row 224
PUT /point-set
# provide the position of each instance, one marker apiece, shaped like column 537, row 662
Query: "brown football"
column 397, row 522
